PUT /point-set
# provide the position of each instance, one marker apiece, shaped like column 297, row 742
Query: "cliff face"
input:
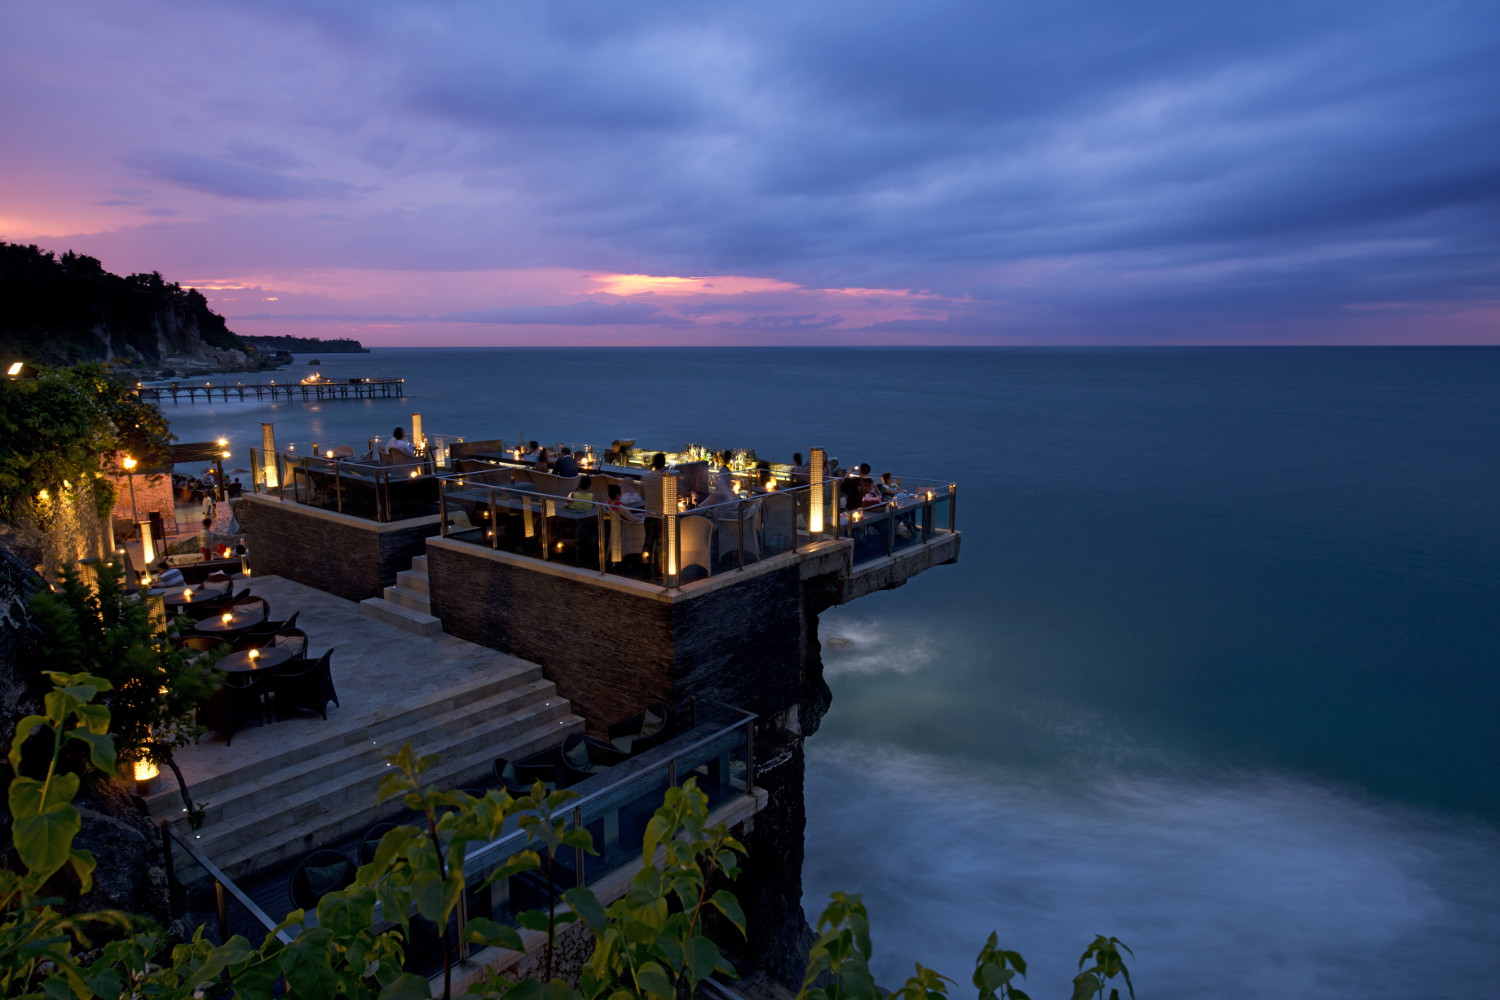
column 61, row 310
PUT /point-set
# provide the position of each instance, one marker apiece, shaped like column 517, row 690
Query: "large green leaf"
column 23, row 733
column 101, row 748
column 407, row 987
column 482, row 930
column 652, row 978
column 45, row 840
column 726, row 903
column 587, row 906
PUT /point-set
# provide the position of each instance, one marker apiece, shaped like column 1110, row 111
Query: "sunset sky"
column 1036, row 172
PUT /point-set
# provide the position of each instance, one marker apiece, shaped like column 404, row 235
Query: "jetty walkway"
column 308, row 389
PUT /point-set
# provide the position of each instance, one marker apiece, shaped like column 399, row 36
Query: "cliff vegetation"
column 58, row 310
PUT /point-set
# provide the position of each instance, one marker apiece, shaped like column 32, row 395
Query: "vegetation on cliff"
column 307, row 345
column 57, row 432
column 650, row 944
column 57, row 310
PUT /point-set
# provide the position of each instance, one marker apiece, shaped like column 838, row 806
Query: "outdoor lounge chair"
column 369, row 841
column 641, row 731
column 584, row 757
column 317, row 874
column 508, row 773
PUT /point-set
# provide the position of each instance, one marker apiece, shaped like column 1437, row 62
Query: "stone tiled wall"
column 352, row 558
column 612, row 652
column 609, row 652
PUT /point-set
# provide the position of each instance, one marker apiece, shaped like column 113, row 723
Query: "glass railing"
column 615, row 807
column 716, row 747
column 514, row 509
column 359, row 489
column 509, row 506
column 922, row 510
column 202, row 895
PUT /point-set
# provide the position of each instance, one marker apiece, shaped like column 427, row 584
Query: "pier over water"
column 313, row 388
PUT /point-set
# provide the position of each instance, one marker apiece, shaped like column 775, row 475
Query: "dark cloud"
column 1075, row 165
column 588, row 313
column 233, row 180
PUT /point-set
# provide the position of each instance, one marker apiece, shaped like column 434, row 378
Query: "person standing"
column 206, row 539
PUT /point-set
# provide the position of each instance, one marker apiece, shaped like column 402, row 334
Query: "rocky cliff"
column 58, row 310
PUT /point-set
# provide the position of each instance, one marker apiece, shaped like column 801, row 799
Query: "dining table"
column 241, row 662
column 238, row 622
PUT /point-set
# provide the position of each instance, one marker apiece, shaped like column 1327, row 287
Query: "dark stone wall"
column 346, row 556
column 753, row 644
column 742, row 644
column 610, row 653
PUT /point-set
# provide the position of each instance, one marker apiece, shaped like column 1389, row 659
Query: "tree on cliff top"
column 65, row 309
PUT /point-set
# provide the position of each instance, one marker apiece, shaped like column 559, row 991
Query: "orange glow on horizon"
column 653, row 284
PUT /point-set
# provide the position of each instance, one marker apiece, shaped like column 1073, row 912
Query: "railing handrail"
column 234, row 890
column 665, row 763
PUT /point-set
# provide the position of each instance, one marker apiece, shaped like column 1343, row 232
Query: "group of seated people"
column 858, row 490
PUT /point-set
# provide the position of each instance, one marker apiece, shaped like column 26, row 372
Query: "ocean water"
column 1218, row 670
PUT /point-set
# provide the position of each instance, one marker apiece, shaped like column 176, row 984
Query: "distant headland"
column 307, row 345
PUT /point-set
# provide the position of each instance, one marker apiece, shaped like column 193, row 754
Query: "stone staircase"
column 279, row 806
column 406, row 604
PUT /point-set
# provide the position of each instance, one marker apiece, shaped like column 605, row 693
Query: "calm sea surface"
column 1218, row 671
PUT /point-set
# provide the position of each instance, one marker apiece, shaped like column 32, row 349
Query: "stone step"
column 419, row 564
column 381, row 726
column 255, row 848
column 394, row 614
column 413, row 600
column 413, row 579
column 489, row 719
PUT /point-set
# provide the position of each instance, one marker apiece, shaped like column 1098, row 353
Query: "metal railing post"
column 952, row 508
column 578, row 851
column 221, row 909
column 443, row 507
column 890, row 527
column 749, row 755
column 740, row 555
column 338, row 485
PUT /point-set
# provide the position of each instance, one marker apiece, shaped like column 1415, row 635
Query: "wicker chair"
column 583, row 757
column 304, row 686
column 318, row 874
column 230, row 707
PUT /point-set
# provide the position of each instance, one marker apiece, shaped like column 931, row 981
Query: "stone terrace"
column 288, row 786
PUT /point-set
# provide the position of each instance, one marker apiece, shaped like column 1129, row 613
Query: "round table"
column 238, row 622
column 242, row 662
column 176, row 597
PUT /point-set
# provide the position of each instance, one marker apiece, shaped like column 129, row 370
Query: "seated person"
column 619, row 507
column 397, row 450
column 582, row 499
column 566, row 465
column 886, row 487
column 168, row 576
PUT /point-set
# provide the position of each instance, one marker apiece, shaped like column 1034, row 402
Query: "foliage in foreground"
column 648, row 945
column 56, row 432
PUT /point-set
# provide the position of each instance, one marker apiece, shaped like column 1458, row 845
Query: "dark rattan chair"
column 583, row 757
column 304, row 686
column 641, row 731
column 318, row 874
column 369, row 841
column 231, row 706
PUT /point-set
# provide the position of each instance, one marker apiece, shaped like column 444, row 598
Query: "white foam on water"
column 858, row 646
column 1244, row 885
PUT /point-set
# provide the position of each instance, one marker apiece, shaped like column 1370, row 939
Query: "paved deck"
column 377, row 668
